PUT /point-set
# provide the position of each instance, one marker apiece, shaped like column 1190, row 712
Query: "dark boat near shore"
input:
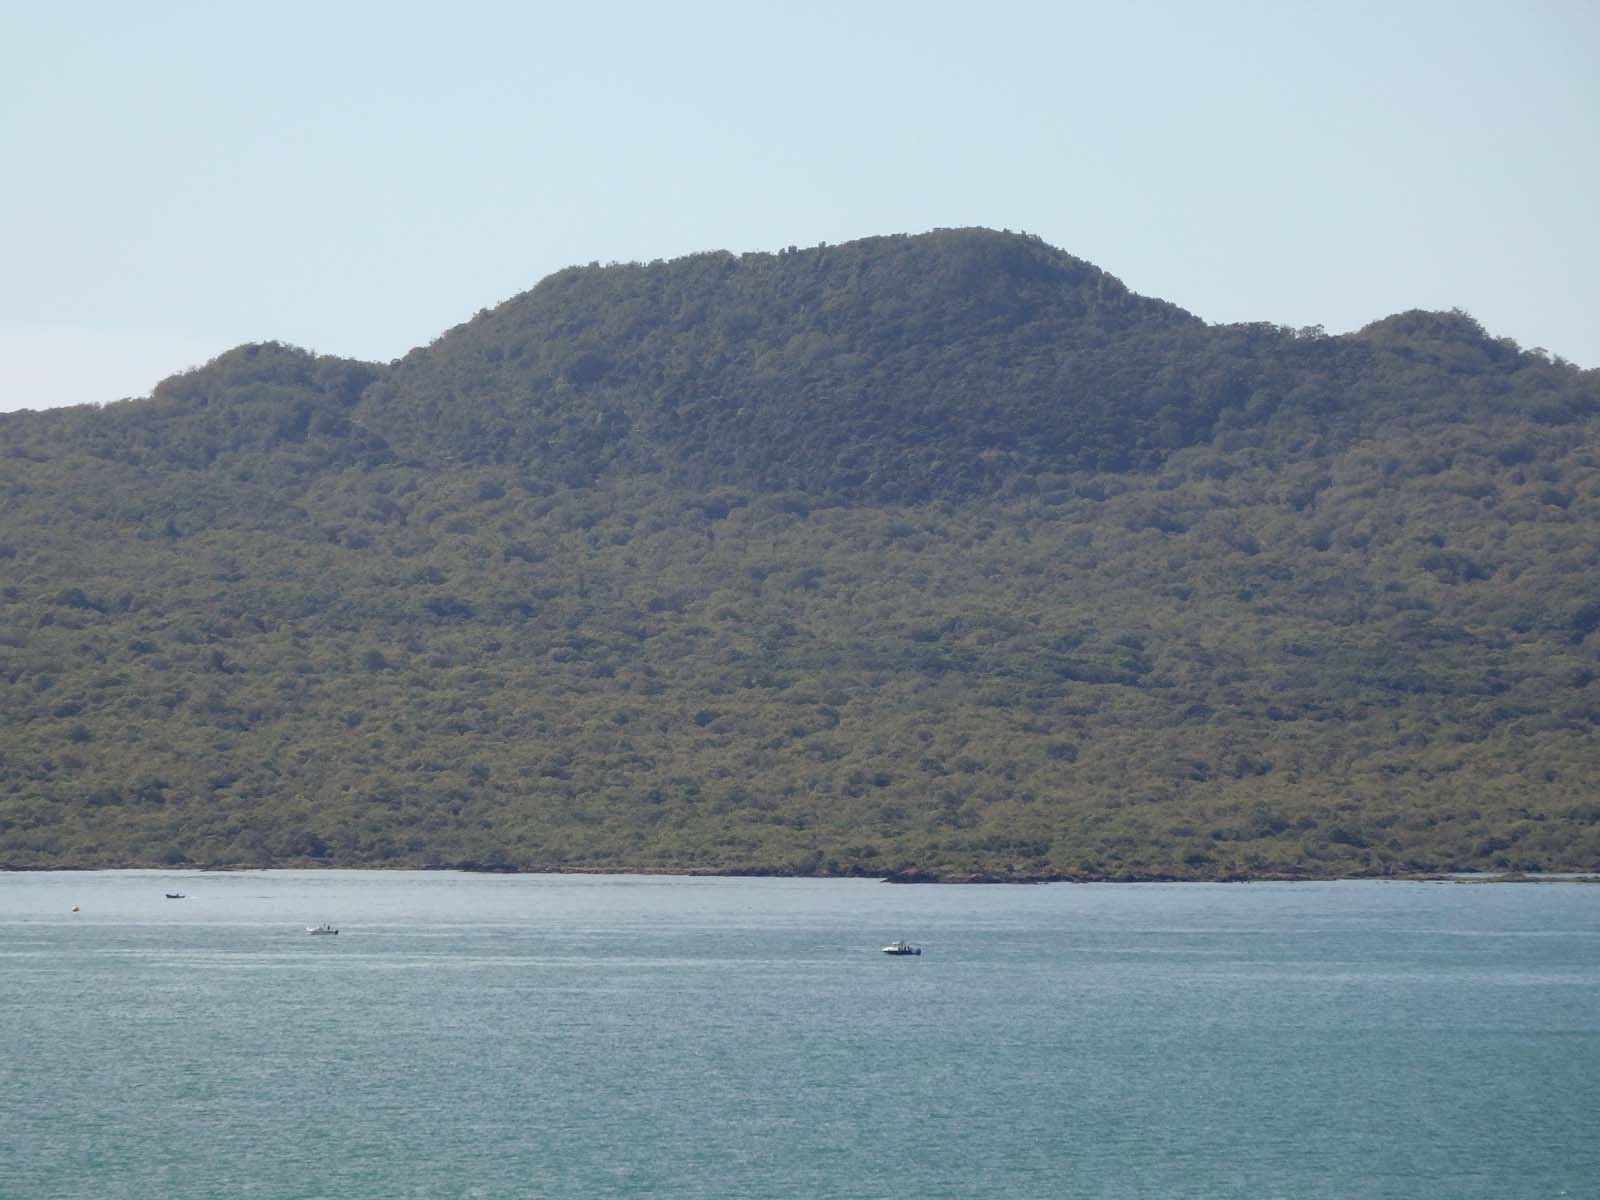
column 175, row 896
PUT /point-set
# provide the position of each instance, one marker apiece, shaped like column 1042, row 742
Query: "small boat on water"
column 174, row 895
column 902, row 948
column 314, row 930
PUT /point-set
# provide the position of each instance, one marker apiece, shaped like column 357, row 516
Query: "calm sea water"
column 626, row 1036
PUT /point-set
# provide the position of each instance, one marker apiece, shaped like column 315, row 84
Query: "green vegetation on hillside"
column 941, row 554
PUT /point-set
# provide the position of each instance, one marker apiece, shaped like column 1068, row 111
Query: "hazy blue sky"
column 357, row 178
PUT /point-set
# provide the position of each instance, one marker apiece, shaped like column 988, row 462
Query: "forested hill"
column 941, row 554
column 894, row 367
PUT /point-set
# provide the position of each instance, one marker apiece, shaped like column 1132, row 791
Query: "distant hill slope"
column 947, row 365
column 941, row 554
column 892, row 367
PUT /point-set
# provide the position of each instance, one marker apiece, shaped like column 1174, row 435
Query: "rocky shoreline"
column 910, row 875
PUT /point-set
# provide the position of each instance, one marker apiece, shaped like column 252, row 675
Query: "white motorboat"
column 320, row 929
column 902, row 948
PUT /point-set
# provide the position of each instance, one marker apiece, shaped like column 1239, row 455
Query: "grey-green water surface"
column 627, row 1036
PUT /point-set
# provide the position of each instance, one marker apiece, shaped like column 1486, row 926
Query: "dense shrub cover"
column 942, row 555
